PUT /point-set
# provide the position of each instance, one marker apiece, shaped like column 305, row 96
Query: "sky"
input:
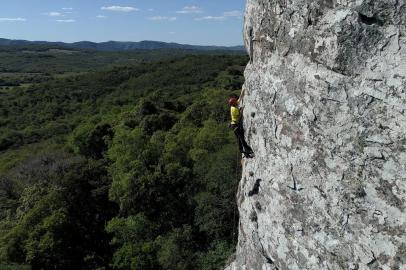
column 198, row 22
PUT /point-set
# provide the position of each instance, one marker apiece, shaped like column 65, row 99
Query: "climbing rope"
column 238, row 164
column 235, row 205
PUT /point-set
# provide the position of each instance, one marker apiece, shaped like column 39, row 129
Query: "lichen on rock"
column 327, row 86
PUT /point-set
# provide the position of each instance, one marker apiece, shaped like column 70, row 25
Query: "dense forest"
column 124, row 167
column 25, row 64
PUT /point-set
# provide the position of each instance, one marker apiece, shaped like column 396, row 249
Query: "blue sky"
column 208, row 22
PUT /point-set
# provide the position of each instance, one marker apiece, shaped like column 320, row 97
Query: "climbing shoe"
column 249, row 155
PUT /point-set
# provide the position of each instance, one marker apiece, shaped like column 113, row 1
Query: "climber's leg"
column 242, row 144
column 246, row 148
column 237, row 134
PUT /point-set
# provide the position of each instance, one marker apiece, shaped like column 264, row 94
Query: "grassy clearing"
column 68, row 74
column 11, row 158
column 14, row 267
column 25, row 85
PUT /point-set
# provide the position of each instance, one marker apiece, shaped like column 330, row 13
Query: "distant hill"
column 120, row 46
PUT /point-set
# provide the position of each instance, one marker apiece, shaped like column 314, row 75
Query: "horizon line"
column 170, row 42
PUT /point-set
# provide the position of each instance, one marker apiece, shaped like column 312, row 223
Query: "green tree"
column 61, row 216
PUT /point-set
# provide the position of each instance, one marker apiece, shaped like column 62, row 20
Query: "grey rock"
column 327, row 85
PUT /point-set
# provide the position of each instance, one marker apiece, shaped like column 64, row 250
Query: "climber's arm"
column 242, row 95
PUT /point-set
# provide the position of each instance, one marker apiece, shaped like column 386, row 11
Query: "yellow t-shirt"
column 235, row 115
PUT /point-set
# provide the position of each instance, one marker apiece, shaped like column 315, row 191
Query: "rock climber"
column 237, row 126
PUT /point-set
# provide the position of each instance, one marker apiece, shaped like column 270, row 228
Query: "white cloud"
column 54, row 14
column 67, row 8
column 190, row 10
column 13, row 19
column 225, row 16
column 162, row 18
column 120, row 8
column 172, row 33
column 66, row 21
column 233, row 13
column 151, row 9
column 101, row 16
column 211, row 18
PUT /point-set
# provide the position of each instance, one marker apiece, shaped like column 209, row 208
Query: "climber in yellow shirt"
column 236, row 124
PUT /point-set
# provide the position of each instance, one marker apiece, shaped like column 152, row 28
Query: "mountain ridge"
column 120, row 45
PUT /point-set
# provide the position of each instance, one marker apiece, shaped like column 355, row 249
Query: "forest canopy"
column 128, row 167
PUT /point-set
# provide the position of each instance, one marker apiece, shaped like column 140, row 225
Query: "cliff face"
column 325, row 114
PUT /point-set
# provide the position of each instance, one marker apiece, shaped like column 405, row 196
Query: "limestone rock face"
column 324, row 112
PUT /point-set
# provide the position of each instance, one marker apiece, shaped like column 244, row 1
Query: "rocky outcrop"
column 325, row 114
